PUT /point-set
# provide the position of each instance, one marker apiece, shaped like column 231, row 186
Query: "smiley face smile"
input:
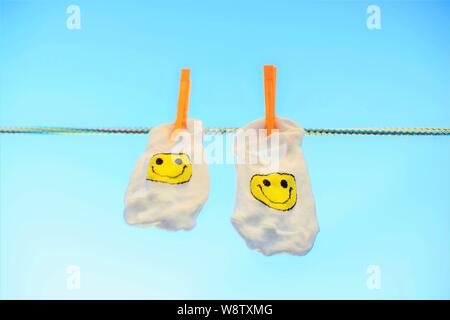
column 172, row 177
column 275, row 190
column 276, row 202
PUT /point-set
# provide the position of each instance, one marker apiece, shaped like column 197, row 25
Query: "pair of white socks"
column 274, row 209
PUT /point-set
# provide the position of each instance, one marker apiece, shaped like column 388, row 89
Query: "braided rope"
column 224, row 131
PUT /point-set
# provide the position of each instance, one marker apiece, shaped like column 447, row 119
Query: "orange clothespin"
column 183, row 99
column 270, row 79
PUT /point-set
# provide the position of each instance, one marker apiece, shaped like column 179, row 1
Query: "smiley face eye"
column 178, row 161
column 159, row 161
column 266, row 182
column 284, row 183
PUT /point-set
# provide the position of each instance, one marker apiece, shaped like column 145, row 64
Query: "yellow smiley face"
column 173, row 168
column 276, row 190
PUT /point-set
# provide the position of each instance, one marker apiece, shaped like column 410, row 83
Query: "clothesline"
column 224, row 131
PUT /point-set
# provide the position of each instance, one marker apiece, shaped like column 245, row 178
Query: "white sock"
column 275, row 209
column 170, row 181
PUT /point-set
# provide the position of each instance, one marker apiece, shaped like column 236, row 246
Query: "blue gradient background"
column 380, row 200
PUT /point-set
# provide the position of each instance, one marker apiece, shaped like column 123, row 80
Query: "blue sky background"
column 380, row 200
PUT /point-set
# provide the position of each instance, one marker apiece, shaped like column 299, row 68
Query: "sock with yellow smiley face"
column 274, row 209
column 170, row 181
